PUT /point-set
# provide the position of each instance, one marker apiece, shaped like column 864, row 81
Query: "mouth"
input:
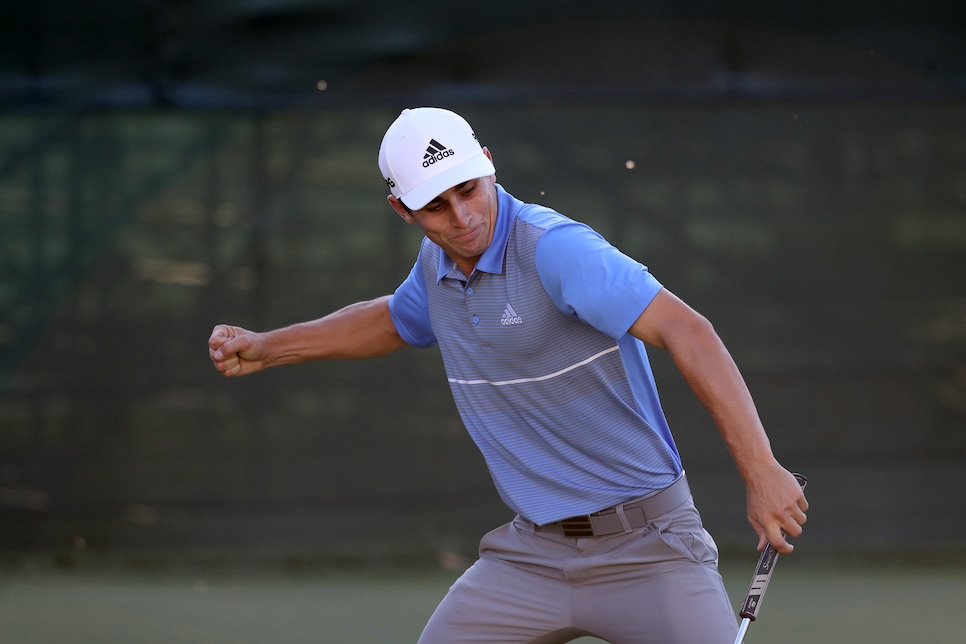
column 467, row 235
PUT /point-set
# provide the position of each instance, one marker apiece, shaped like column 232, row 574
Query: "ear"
column 489, row 156
column 400, row 209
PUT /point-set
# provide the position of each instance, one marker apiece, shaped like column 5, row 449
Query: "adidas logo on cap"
column 435, row 151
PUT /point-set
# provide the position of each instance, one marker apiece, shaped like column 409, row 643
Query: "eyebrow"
column 457, row 187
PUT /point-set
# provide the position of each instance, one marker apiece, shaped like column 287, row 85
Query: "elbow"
column 702, row 331
column 701, row 327
column 695, row 332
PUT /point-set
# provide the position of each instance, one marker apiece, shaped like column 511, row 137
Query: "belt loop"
column 528, row 525
column 619, row 508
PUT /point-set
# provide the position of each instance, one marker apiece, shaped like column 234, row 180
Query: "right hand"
column 236, row 351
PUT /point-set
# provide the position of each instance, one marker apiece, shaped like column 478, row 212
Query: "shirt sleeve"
column 589, row 278
column 409, row 308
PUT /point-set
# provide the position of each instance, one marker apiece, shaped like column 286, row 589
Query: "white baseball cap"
column 428, row 150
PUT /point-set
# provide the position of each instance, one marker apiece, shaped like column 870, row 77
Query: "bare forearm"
column 775, row 500
column 710, row 371
column 361, row 330
column 712, row 374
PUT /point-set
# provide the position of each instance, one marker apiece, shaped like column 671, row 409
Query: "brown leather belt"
column 623, row 517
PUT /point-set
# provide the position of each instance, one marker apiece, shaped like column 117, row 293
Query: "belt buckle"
column 576, row 527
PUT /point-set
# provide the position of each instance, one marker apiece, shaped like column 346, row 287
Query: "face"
column 460, row 220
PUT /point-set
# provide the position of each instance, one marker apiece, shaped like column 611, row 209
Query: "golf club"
column 759, row 583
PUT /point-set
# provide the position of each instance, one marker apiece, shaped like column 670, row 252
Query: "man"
column 542, row 326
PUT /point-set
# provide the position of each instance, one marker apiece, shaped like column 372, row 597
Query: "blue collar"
column 491, row 261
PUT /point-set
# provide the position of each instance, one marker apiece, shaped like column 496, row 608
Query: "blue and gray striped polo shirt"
column 558, row 397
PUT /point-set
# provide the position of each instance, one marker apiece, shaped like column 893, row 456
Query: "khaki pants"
column 657, row 584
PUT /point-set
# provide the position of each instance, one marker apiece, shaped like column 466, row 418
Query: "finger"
column 220, row 353
column 792, row 528
column 229, row 366
column 784, row 547
column 226, row 331
column 220, row 350
column 793, row 521
column 780, row 544
column 217, row 351
column 230, row 348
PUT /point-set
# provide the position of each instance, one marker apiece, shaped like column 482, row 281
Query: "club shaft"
column 742, row 630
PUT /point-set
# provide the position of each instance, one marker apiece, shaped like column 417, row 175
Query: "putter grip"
column 766, row 566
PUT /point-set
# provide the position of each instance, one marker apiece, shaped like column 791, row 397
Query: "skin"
column 461, row 221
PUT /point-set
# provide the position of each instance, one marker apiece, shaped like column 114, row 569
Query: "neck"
column 466, row 265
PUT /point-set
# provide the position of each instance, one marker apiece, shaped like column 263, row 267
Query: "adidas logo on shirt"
column 435, row 151
column 510, row 316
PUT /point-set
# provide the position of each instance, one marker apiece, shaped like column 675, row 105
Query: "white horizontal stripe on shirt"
column 518, row 381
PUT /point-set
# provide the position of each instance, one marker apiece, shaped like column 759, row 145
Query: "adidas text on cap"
column 427, row 151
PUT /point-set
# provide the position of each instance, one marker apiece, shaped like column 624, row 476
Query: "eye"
column 468, row 190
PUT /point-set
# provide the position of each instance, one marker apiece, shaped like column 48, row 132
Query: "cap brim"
column 478, row 166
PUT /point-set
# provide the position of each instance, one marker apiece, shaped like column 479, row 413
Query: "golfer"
column 542, row 327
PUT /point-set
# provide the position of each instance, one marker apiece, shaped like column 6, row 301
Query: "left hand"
column 776, row 505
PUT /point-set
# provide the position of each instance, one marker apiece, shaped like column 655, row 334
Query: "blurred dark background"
column 797, row 172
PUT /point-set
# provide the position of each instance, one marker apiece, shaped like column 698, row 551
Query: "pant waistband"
column 623, row 517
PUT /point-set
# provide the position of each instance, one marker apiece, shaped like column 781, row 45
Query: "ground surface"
column 805, row 604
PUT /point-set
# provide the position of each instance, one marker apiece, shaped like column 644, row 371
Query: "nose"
column 460, row 214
